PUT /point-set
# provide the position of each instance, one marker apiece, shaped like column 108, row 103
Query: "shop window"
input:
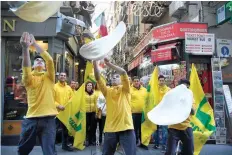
column 57, row 58
column 136, row 20
column 15, row 95
column 173, row 73
column 205, row 77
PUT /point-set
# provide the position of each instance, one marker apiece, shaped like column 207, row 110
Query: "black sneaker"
column 156, row 147
column 143, row 147
column 138, row 143
column 67, row 148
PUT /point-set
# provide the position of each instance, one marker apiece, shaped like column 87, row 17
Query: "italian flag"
column 101, row 21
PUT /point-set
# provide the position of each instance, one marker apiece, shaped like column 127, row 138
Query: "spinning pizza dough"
column 37, row 11
column 174, row 108
column 99, row 48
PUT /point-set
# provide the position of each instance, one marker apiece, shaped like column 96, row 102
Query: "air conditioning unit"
column 177, row 8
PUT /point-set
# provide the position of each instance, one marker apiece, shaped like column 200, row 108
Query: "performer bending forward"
column 182, row 131
column 119, row 125
column 40, row 118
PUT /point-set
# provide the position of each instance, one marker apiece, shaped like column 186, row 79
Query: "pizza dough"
column 174, row 108
column 37, row 11
column 99, row 48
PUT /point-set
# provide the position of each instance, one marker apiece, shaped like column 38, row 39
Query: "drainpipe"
column 202, row 12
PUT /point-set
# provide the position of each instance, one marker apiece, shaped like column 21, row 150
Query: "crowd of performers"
column 117, row 108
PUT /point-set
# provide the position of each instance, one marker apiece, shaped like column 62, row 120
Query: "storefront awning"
column 169, row 32
column 163, row 53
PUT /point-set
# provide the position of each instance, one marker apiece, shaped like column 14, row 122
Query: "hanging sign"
column 199, row 43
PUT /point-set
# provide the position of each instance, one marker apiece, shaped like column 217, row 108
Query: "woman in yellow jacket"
column 91, row 101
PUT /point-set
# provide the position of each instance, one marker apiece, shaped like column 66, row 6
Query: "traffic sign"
column 224, row 48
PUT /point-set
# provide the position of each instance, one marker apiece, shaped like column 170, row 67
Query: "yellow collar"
column 63, row 85
column 35, row 72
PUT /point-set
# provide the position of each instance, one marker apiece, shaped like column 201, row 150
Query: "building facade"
column 164, row 43
column 58, row 37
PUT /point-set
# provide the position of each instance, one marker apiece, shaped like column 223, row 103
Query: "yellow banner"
column 202, row 122
column 74, row 115
column 147, row 127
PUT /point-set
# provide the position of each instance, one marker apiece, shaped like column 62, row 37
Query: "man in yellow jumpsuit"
column 119, row 124
column 138, row 97
column 40, row 117
column 161, row 130
column 63, row 93
column 182, row 131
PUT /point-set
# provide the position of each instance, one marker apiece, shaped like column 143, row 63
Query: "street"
column 140, row 71
column 209, row 149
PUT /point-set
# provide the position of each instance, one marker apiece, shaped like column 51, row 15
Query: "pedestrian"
column 119, row 124
column 161, row 132
column 138, row 97
column 182, row 131
column 101, row 114
column 91, row 103
column 73, row 85
column 63, row 93
column 40, row 117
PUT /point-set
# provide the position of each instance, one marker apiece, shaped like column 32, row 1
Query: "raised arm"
column 48, row 60
column 122, row 72
column 118, row 69
column 101, row 84
column 26, row 42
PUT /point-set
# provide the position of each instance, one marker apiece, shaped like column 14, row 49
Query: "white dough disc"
column 99, row 48
column 174, row 108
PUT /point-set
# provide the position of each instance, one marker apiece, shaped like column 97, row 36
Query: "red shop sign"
column 177, row 30
column 163, row 53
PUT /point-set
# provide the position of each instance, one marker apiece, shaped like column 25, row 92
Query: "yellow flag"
column 152, row 99
column 74, row 115
column 202, row 122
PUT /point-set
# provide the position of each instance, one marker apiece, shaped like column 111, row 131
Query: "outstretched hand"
column 27, row 40
column 106, row 60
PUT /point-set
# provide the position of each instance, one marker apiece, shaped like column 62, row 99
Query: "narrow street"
column 139, row 71
column 207, row 150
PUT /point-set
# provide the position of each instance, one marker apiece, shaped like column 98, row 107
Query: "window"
column 69, row 65
column 15, row 95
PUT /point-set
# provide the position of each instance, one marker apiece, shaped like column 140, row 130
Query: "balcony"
column 132, row 35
